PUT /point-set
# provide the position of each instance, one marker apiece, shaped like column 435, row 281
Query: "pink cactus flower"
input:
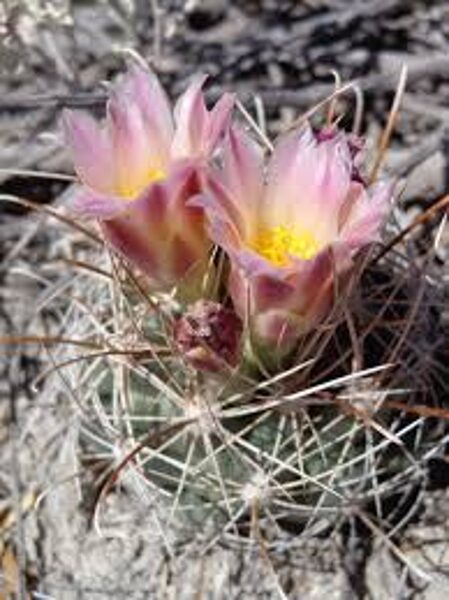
column 140, row 168
column 293, row 232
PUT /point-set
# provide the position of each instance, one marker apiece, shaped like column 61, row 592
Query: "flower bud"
column 208, row 336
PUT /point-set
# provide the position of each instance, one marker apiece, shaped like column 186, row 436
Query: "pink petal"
column 253, row 264
column 136, row 156
column 197, row 130
column 130, row 240
column 291, row 289
column 91, row 204
column 356, row 191
column 184, row 257
column 217, row 122
column 243, row 176
column 308, row 182
column 190, row 117
column 271, row 325
column 142, row 87
column 283, row 304
column 91, row 151
column 270, row 292
column 314, row 284
column 279, row 329
column 365, row 220
column 133, row 148
column 225, row 219
column 159, row 232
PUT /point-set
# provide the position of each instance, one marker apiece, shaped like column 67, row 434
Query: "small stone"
column 203, row 14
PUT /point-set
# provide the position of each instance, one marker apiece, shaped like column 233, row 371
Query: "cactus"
column 255, row 374
column 293, row 450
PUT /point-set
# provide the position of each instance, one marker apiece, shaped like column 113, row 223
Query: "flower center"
column 130, row 189
column 277, row 243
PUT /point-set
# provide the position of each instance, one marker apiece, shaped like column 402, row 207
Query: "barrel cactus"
column 262, row 361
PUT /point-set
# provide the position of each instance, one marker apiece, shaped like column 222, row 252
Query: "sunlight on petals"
column 294, row 240
column 140, row 168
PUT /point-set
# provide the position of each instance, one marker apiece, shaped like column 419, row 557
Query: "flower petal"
column 284, row 304
column 133, row 148
column 274, row 324
column 217, row 122
column 279, row 329
column 197, row 130
column 308, row 182
column 190, row 117
column 365, row 219
column 243, row 176
column 159, row 232
column 91, row 151
column 226, row 222
column 91, row 204
column 137, row 158
column 142, row 84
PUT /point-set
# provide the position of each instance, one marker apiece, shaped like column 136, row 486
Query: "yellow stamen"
column 130, row 189
column 278, row 243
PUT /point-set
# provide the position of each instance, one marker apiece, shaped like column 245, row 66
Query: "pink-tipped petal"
column 283, row 197
column 125, row 235
column 279, row 329
column 91, row 151
column 142, row 84
column 243, row 175
column 270, row 292
column 89, row 204
column 308, row 182
column 315, row 285
column 197, row 129
column 293, row 289
column 191, row 120
column 159, row 232
column 224, row 216
column 137, row 159
column 284, row 304
column 218, row 122
column 364, row 222
column 264, row 303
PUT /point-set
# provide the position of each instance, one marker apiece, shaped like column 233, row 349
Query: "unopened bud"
column 208, row 336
